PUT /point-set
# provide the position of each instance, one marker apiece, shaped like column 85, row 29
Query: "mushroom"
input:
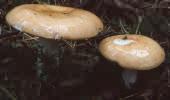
column 54, row 22
column 51, row 22
column 132, row 52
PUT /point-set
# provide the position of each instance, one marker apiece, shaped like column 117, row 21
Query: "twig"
column 71, row 44
column 139, row 23
column 122, row 27
column 129, row 96
column 29, row 37
column 7, row 93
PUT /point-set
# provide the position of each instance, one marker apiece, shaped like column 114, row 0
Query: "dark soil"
column 30, row 70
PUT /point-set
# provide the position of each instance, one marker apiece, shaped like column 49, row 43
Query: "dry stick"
column 29, row 37
column 140, row 19
column 7, row 93
column 122, row 27
column 129, row 96
column 33, row 38
column 71, row 44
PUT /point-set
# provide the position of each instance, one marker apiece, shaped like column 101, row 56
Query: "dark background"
column 32, row 70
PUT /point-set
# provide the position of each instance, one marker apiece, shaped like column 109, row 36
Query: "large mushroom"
column 132, row 52
column 50, row 22
column 54, row 22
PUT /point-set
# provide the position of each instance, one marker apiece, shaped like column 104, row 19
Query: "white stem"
column 129, row 77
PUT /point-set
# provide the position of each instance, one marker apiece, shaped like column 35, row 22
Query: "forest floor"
column 31, row 70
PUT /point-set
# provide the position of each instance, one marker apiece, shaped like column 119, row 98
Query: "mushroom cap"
column 136, row 52
column 54, row 22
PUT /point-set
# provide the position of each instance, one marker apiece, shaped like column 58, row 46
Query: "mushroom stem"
column 51, row 47
column 129, row 77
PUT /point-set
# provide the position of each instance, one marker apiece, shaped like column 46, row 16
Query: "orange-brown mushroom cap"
column 54, row 22
column 136, row 52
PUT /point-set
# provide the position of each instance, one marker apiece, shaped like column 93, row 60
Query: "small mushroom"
column 54, row 22
column 132, row 52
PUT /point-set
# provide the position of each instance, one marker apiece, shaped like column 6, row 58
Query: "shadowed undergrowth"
column 31, row 70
